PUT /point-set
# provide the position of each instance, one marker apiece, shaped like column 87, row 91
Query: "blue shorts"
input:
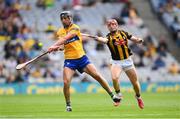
column 77, row 64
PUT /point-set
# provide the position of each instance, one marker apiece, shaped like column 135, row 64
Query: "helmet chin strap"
column 66, row 26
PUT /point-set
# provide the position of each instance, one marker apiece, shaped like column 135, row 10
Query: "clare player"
column 75, row 58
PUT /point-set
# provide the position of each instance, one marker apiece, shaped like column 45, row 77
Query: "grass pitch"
column 90, row 106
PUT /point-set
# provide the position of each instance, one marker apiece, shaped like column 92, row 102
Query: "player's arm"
column 61, row 47
column 100, row 39
column 57, row 37
column 133, row 38
column 60, row 42
column 136, row 40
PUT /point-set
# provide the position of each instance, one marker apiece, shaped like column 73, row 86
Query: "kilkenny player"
column 117, row 42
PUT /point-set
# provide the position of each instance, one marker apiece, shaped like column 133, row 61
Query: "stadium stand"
column 27, row 29
column 169, row 13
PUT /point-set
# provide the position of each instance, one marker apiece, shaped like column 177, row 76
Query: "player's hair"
column 112, row 21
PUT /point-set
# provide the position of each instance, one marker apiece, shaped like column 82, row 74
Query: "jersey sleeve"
column 108, row 37
column 74, row 30
column 128, row 35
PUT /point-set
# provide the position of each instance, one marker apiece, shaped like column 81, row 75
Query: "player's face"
column 112, row 25
column 66, row 21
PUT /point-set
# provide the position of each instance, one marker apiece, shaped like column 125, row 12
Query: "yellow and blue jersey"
column 73, row 48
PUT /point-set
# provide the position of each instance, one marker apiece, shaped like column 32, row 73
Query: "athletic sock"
column 68, row 103
column 111, row 94
column 138, row 95
column 117, row 91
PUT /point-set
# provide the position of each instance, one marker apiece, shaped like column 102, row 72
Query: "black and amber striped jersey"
column 118, row 45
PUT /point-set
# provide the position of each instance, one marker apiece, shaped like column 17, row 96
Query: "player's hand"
column 53, row 48
column 140, row 40
column 61, row 48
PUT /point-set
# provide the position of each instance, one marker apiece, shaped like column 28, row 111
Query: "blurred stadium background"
column 27, row 28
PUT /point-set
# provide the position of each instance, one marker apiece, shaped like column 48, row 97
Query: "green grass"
column 90, row 106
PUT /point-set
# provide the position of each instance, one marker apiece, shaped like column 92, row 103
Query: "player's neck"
column 67, row 26
column 113, row 32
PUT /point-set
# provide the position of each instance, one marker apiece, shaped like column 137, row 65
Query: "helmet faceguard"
column 65, row 15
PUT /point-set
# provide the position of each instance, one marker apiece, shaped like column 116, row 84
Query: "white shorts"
column 123, row 64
